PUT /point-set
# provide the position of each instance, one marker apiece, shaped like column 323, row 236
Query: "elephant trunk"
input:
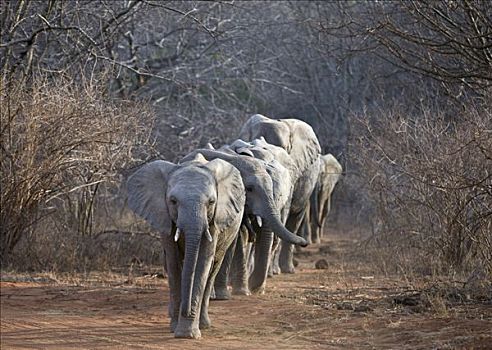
column 274, row 223
column 192, row 248
column 263, row 254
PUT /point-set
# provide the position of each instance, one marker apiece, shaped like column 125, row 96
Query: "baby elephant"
column 197, row 206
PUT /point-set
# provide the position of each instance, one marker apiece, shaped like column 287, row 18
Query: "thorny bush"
column 429, row 177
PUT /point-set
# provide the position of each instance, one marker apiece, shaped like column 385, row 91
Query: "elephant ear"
column 230, row 192
column 147, row 194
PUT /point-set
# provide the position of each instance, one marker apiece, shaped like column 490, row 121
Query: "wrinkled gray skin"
column 260, row 197
column 233, row 269
column 204, row 202
column 282, row 192
column 320, row 201
column 301, row 143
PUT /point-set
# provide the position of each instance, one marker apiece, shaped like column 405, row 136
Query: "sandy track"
column 343, row 306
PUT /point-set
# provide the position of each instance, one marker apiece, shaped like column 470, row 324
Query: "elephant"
column 320, row 201
column 281, row 169
column 298, row 139
column 197, row 206
column 262, row 205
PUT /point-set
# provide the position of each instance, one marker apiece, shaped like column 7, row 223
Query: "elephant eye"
column 211, row 201
column 173, row 200
column 249, row 188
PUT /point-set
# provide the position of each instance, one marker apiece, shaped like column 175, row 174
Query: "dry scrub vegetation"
column 429, row 177
column 64, row 146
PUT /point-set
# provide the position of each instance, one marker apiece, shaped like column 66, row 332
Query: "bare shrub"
column 62, row 142
column 429, row 178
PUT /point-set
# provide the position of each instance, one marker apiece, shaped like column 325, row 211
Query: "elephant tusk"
column 176, row 236
column 258, row 219
column 208, row 235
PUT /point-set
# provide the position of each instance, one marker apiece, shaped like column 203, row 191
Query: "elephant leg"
column 204, row 317
column 305, row 229
column 173, row 267
column 215, row 269
column 251, row 258
column 239, row 272
column 276, row 258
column 188, row 327
column 263, row 246
column 221, row 281
column 313, row 224
column 274, row 268
column 324, row 214
column 315, row 230
column 276, row 244
column 286, row 258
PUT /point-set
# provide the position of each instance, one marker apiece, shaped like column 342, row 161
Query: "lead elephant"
column 320, row 201
column 197, row 206
column 301, row 143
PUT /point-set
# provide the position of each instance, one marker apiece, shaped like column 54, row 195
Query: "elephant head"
column 194, row 202
column 260, row 198
column 277, row 163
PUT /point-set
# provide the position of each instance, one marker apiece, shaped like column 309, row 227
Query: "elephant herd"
column 233, row 215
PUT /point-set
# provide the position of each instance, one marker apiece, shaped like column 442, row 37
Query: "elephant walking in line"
column 197, row 206
column 281, row 169
column 262, row 204
column 320, row 201
column 301, row 143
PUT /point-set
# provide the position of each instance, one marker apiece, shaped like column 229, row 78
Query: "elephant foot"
column 289, row 268
column 241, row 291
column 270, row 273
column 188, row 333
column 316, row 240
column 221, row 294
column 205, row 322
column 187, row 329
column 276, row 269
column 257, row 288
column 173, row 325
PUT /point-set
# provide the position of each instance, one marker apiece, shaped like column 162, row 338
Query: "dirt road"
column 343, row 306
